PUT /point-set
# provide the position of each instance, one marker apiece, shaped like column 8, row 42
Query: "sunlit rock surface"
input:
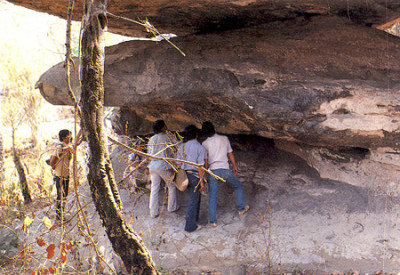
column 316, row 79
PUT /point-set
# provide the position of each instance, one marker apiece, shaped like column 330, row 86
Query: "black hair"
column 207, row 129
column 63, row 134
column 158, row 126
column 190, row 132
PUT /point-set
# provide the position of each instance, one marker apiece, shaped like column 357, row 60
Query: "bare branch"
column 149, row 27
column 164, row 158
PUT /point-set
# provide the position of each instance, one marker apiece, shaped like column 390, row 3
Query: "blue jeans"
column 213, row 185
column 192, row 214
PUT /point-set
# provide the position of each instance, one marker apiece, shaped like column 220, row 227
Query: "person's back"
column 158, row 146
column 219, row 153
column 218, row 147
column 192, row 151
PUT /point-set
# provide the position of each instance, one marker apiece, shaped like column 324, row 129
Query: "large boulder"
column 204, row 16
column 10, row 244
column 315, row 78
column 322, row 87
column 320, row 81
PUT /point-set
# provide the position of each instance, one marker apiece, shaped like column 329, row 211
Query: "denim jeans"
column 192, row 214
column 213, row 185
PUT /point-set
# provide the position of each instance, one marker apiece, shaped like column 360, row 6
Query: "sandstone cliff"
column 318, row 79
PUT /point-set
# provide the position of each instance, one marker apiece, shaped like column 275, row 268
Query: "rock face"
column 297, row 220
column 320, row 81
column 10, row 244
column 185, row 17
column 323, row 87
column 316, row 78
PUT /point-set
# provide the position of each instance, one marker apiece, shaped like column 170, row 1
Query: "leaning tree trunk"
column 125, row 241
column 1, row 157
column 23, row 183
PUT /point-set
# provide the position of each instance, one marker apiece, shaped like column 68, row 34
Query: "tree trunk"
column 23, row 183
column 1, row 157
column 125, row 241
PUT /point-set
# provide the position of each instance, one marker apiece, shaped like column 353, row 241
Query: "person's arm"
column 206, row 164
column 56, row 157
column 69, row 149
column 53, row 160
column 133, row 164
column 232, row 159
column 201, row 174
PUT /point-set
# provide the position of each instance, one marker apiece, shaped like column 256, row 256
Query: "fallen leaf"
column 47, row 222
column 52, row 270
column 54, row 227
column 40, row 241
column 63, row 258
column 28, row 221
column 70, row 245
column 50, row 251
column 33, row 215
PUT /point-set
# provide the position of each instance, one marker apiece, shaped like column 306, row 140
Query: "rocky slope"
column 297, row 221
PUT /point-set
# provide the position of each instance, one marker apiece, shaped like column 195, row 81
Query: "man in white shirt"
column 219, row 153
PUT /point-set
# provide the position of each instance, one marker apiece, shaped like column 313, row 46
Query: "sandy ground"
column 297, row 221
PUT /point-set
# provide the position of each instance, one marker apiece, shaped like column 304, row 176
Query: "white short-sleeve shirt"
column 218, row 147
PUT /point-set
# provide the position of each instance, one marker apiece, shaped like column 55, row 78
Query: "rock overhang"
column 339, row 89
column 187, row 17
column 320, row 80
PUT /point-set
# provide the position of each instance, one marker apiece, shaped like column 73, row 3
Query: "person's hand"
column 202, row 187
column 69, row 149
column 235, row 170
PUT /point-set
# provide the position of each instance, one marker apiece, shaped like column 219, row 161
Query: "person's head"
column 190, row 132
column 64, row 134
column 159, row 126
column 207, row 129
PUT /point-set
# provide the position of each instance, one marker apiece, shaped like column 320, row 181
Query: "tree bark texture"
column 1, row 156
column 125, row 241
column 23, row 183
